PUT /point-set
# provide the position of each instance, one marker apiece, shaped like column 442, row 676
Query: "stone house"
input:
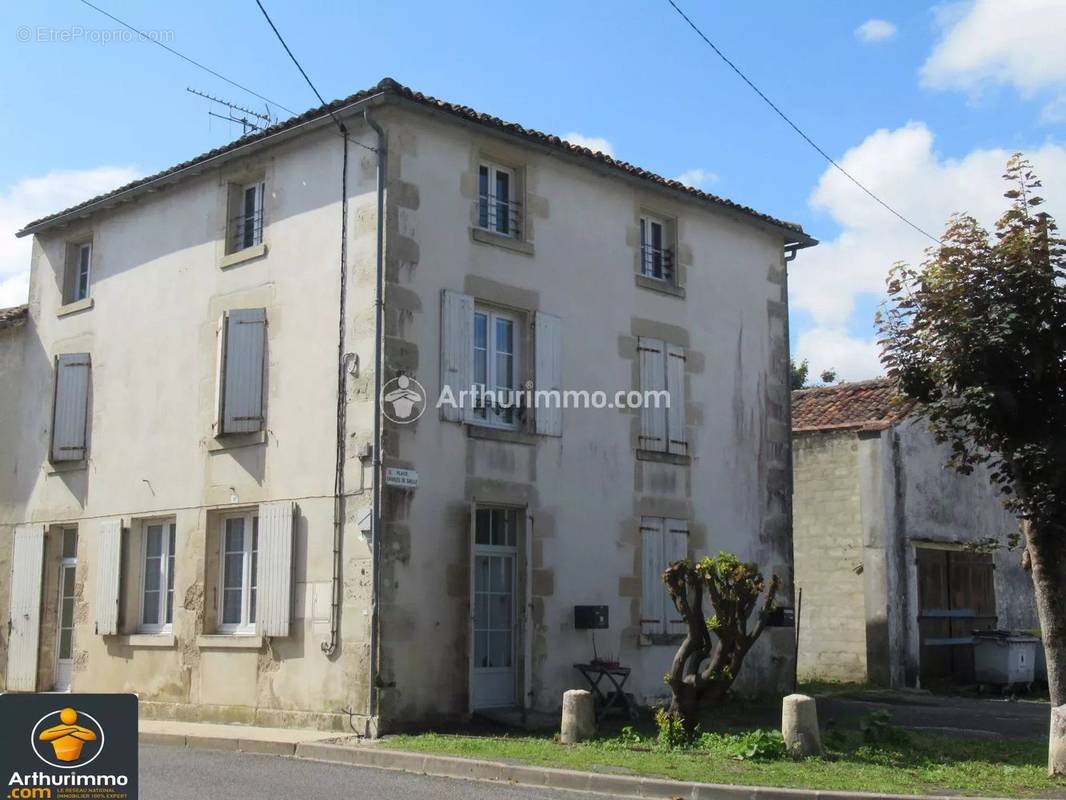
column 898, row 558
column 219, row 492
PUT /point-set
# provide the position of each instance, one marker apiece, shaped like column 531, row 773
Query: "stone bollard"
column 1056, row 763
column 799, row 726
column 579, row 716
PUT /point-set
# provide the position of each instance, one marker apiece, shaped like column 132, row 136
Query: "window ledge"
column 663, row 287
column 229, row 641
column 498, row 239
column 62, row 467
column 475, row 431
column 73, row 308
column 231, row 441
column 664, row 458
column 240, row 256
column 148, row 640
column 657, row 639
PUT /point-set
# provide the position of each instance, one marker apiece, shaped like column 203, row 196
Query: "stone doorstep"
column 498, row 772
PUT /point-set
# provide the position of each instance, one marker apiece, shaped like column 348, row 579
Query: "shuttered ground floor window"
column 663, row 541
column 239, row 562
column 157, row 576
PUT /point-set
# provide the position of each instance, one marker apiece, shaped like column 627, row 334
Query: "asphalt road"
column 176, row 773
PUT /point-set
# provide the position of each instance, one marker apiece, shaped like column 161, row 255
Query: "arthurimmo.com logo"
column 67, row 739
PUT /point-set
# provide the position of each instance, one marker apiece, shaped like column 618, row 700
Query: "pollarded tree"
column 703, row 670
column 977, row 334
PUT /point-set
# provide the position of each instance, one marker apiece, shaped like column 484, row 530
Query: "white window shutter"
column 242, row 387
column 274, row 568
column 675, row 385
column 456, row 351
column 652, row 379
column 220, row 374
column 548, row 371
column 675, row 546
column 70, row 407
column 652, row 609
column 108, row 576
column 27, row 566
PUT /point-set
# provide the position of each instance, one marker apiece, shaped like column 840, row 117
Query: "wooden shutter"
column 675, row 548
column 108, row 576
column 652, row 379
column 457, row 351
column 70, row 406
column 274, row 568
column 220, row 375
column 548, row 372
column 652, row 609
column 675, row 415
column 471, row 645
column 243, row 353
column 27, row 566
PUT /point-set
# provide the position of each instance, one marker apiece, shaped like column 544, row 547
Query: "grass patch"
column 864, row 757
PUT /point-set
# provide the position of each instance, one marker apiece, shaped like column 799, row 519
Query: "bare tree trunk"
column 1047, row 554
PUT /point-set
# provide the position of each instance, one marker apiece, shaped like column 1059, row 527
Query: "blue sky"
column 951, row 88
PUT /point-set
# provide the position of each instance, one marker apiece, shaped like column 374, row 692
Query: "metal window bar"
column 246, row 230
column 657, row 262
column 499, row 216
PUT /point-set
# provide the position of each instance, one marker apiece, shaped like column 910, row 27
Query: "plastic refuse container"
column 1004, row 658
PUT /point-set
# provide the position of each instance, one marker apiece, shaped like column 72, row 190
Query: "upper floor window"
column 246, row 224
column 240, row 371
column 70, row 407
column 157, row 577
column 656, row 257
column 77, row 272
column 495, row 343
column 662, row 378
column 498, row 207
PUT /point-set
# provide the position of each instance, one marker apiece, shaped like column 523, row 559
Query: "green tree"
column 799, row 373
column 977, row 334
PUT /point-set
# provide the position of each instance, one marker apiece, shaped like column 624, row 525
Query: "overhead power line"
column 796, row 127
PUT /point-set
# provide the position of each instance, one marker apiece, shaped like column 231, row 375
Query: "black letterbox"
column 590, row 617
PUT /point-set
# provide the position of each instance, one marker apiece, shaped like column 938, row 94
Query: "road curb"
column 519, row 774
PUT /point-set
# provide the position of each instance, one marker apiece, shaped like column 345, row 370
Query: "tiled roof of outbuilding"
column 14, row 316
column 866, row 405
column 388, row 87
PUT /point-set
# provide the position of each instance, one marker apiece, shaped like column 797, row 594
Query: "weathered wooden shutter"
column 244, row 353
column 220, row 375
column 652, row 609
column 27, row 566
column 471, row 645
column 675, row 385
column 70, row 406
column 108, row 576
column 457, row 351
column 675, row 547
column 274, row 569
column 652, row 379
column 548, row 372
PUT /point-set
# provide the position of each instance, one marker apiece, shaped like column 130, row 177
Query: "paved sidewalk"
column 245, row 738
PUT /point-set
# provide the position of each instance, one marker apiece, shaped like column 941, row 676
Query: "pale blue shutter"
column 274, row 569
column 652, row 379
column 108, row 575
column 548, row 372
column 652, row 609
column 675, row 548
column 457, row 351
column 70, row 407
column 244, row 356
column 675, row 385
column 27, row 566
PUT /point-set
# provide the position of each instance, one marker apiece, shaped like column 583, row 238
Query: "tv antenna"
column 248, row 119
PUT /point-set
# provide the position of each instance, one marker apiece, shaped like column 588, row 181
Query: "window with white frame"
column 78, row 272
column 238, row 573
column 496, row 364
column 246, row 226
column 498, row 207
column 656, row 257
column 157, row 576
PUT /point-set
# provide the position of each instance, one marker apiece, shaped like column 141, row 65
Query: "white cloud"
column 853, row 358
column 999, row 42
column 698, row 177
column 875, row 30
column 595, row 143
column 31, row 198
column 901, row 167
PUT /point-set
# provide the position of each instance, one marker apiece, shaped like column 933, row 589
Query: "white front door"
column 495, row 556
column 65, row 624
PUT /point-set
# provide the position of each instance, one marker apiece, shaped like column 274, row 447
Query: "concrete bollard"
column 1056, row 763
column 799, row 726
column 579, row 716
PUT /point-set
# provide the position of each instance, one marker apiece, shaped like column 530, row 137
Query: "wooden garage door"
column 956, row 595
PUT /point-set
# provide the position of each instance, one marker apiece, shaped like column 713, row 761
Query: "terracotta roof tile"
column 390, row 87
column 868, row 405
column 14, row 316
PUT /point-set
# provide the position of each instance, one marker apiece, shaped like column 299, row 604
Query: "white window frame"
column 246, row 626
column 495, row 418
column 646, row 221
column 66, row 562
column 241, row 218
column 491, row 205
column 83, row 251
column 167, row 556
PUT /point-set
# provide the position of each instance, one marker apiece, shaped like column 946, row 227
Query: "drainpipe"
column 379, row 366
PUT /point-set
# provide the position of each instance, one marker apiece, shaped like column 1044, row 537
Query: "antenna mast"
column 261, row 120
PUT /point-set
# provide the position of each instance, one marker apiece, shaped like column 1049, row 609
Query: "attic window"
column 246, row 216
